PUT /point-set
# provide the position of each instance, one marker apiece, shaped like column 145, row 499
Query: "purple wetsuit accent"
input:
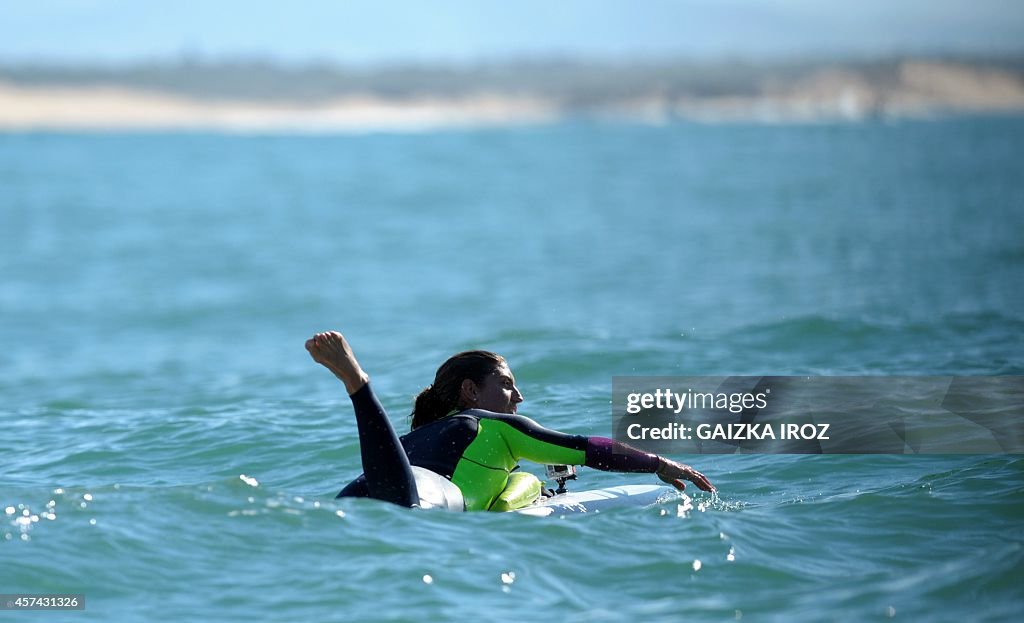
column 611, row 456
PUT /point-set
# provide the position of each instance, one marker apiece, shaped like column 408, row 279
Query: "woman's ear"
column 468, row 394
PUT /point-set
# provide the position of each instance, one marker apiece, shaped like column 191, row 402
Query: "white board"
column 596, row 500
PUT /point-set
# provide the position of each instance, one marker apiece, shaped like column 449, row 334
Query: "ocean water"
column 170, row 451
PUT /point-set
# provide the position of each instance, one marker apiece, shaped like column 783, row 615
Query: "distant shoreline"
column 259, row 98
column 105, row 108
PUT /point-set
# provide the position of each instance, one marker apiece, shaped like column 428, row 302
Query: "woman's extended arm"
column 611, row 455
column 529, row 440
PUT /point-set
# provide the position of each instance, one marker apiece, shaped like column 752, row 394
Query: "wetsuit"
column 474, row 449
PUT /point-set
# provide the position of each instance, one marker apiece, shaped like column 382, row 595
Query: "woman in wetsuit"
column 465, row 429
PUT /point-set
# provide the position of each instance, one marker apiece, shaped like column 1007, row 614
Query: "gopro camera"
column 561, row 474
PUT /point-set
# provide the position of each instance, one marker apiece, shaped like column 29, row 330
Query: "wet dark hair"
column 441, row 398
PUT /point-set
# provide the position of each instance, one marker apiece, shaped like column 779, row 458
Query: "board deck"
column 596, row 500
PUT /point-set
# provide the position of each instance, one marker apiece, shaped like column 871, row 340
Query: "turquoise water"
column 156, row 290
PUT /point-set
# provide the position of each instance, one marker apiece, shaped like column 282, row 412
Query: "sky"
column 362, row 32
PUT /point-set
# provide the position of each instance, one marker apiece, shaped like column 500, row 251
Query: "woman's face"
column 498, row 393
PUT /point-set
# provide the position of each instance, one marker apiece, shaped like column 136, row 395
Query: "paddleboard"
column 596, row 500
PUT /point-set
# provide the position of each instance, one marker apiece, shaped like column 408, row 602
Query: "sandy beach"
column 103, row 108
column 920, row 89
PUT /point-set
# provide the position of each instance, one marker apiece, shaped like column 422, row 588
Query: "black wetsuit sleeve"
column 596, row 452
column 385, row 464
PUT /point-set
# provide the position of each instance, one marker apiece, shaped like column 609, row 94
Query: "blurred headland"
column 259, row 95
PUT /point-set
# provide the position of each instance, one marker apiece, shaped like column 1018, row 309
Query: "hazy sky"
column 464, row 30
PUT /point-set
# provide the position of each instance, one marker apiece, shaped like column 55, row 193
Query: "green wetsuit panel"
column 482, row 472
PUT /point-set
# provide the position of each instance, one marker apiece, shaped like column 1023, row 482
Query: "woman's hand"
column 674, row 473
